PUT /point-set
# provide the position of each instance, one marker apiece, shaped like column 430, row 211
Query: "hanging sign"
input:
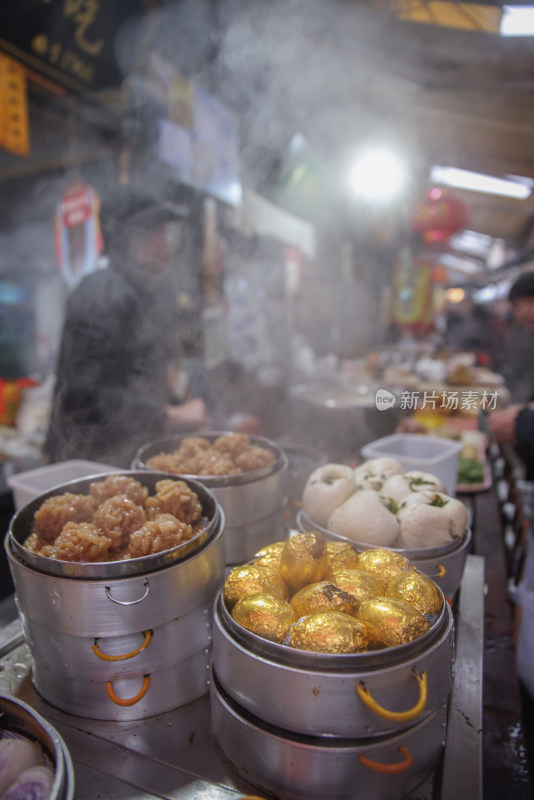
column 71, row 42
column 78, row 238
column 14, row 129
column 412, row 303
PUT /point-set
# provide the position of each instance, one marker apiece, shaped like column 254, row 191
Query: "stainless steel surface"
column 85, row 658
column 294, row 767
column 242, row 542
column 10, row 636
column 147, row 693
column 22, row 525
column 462, row 766
column 173, row 756
column 315, row 694
column 445, row 564
column 122, row 605
column 18, row 718
column 252, row 502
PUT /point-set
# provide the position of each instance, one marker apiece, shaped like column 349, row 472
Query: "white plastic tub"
column 32, row 483
column 420, row 452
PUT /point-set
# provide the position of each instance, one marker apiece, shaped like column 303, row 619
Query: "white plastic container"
column 420, row 452
column 32, row 483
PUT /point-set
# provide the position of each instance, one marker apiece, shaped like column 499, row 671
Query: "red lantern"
column 439, row 215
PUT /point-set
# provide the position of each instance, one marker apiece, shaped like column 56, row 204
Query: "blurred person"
column 514, row 424
column 517, row 362
column 471, row 327
column 112, row 392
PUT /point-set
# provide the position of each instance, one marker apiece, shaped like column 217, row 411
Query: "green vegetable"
column 470, row 470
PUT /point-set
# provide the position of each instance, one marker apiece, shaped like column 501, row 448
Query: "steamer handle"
column 132, row 700
column 440, row 573
column 390, row 769
column 124, row 656
column 397, row 716
column 128, row 602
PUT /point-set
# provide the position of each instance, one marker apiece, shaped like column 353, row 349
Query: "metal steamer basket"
column 362, row 695
column 444, row 564
column 126, row 639
column 253, row 502
column 294, row 767
column 17, row 720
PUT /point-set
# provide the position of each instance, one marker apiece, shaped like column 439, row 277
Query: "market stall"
column 173, row 754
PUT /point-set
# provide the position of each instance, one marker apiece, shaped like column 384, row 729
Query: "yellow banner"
column 466, row 16
column 14, row 127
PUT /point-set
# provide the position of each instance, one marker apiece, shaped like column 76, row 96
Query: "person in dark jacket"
column 111, row 393
column 517, row 363
column 514, row 424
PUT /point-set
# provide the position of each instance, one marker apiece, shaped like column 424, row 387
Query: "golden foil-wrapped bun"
column 417, row 590
column 328, row 632
column 250, row 579
column 341, row 555
column 322, row 596
column 385, row 564
column 304, row 559
column 359, row 584
column 391, row 622
column 270, row 556
column 264, row 615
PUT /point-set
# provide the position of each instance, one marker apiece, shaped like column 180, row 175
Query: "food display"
column 23, row 771
column 471, row 466
column 430, row 517
column 118, row 519
column 327, row 487
column 229, row 454
column 387, row 507
column 308, row 598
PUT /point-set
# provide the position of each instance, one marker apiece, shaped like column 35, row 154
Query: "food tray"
column 173, row 755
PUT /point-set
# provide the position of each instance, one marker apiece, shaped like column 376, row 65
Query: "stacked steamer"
column 115, row 578
column 331, row 671
column 379, row 504
column 245, row 473
column 34, row 760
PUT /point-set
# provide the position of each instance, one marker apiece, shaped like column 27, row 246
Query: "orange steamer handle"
column 390, row 769
column 131, row 701
column 105, row 657
column 397, row 716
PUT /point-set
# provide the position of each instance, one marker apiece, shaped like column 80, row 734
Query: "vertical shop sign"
column 412, row 304
column 77, row 233
column 14, row 128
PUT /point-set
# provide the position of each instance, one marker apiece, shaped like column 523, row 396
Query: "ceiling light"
column 517, row 21
column 463, row 265
column 471, row 242
column 455, row 295
column 477, row 182
column 378, row 174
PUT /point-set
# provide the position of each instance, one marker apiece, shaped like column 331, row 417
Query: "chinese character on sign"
column 84, row 13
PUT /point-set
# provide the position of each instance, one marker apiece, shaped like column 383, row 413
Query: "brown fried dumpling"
column 162, row 533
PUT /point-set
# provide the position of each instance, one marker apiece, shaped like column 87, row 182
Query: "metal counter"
column 173, row 756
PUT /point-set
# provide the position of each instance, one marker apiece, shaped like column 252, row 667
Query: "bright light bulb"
column 378, row 175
